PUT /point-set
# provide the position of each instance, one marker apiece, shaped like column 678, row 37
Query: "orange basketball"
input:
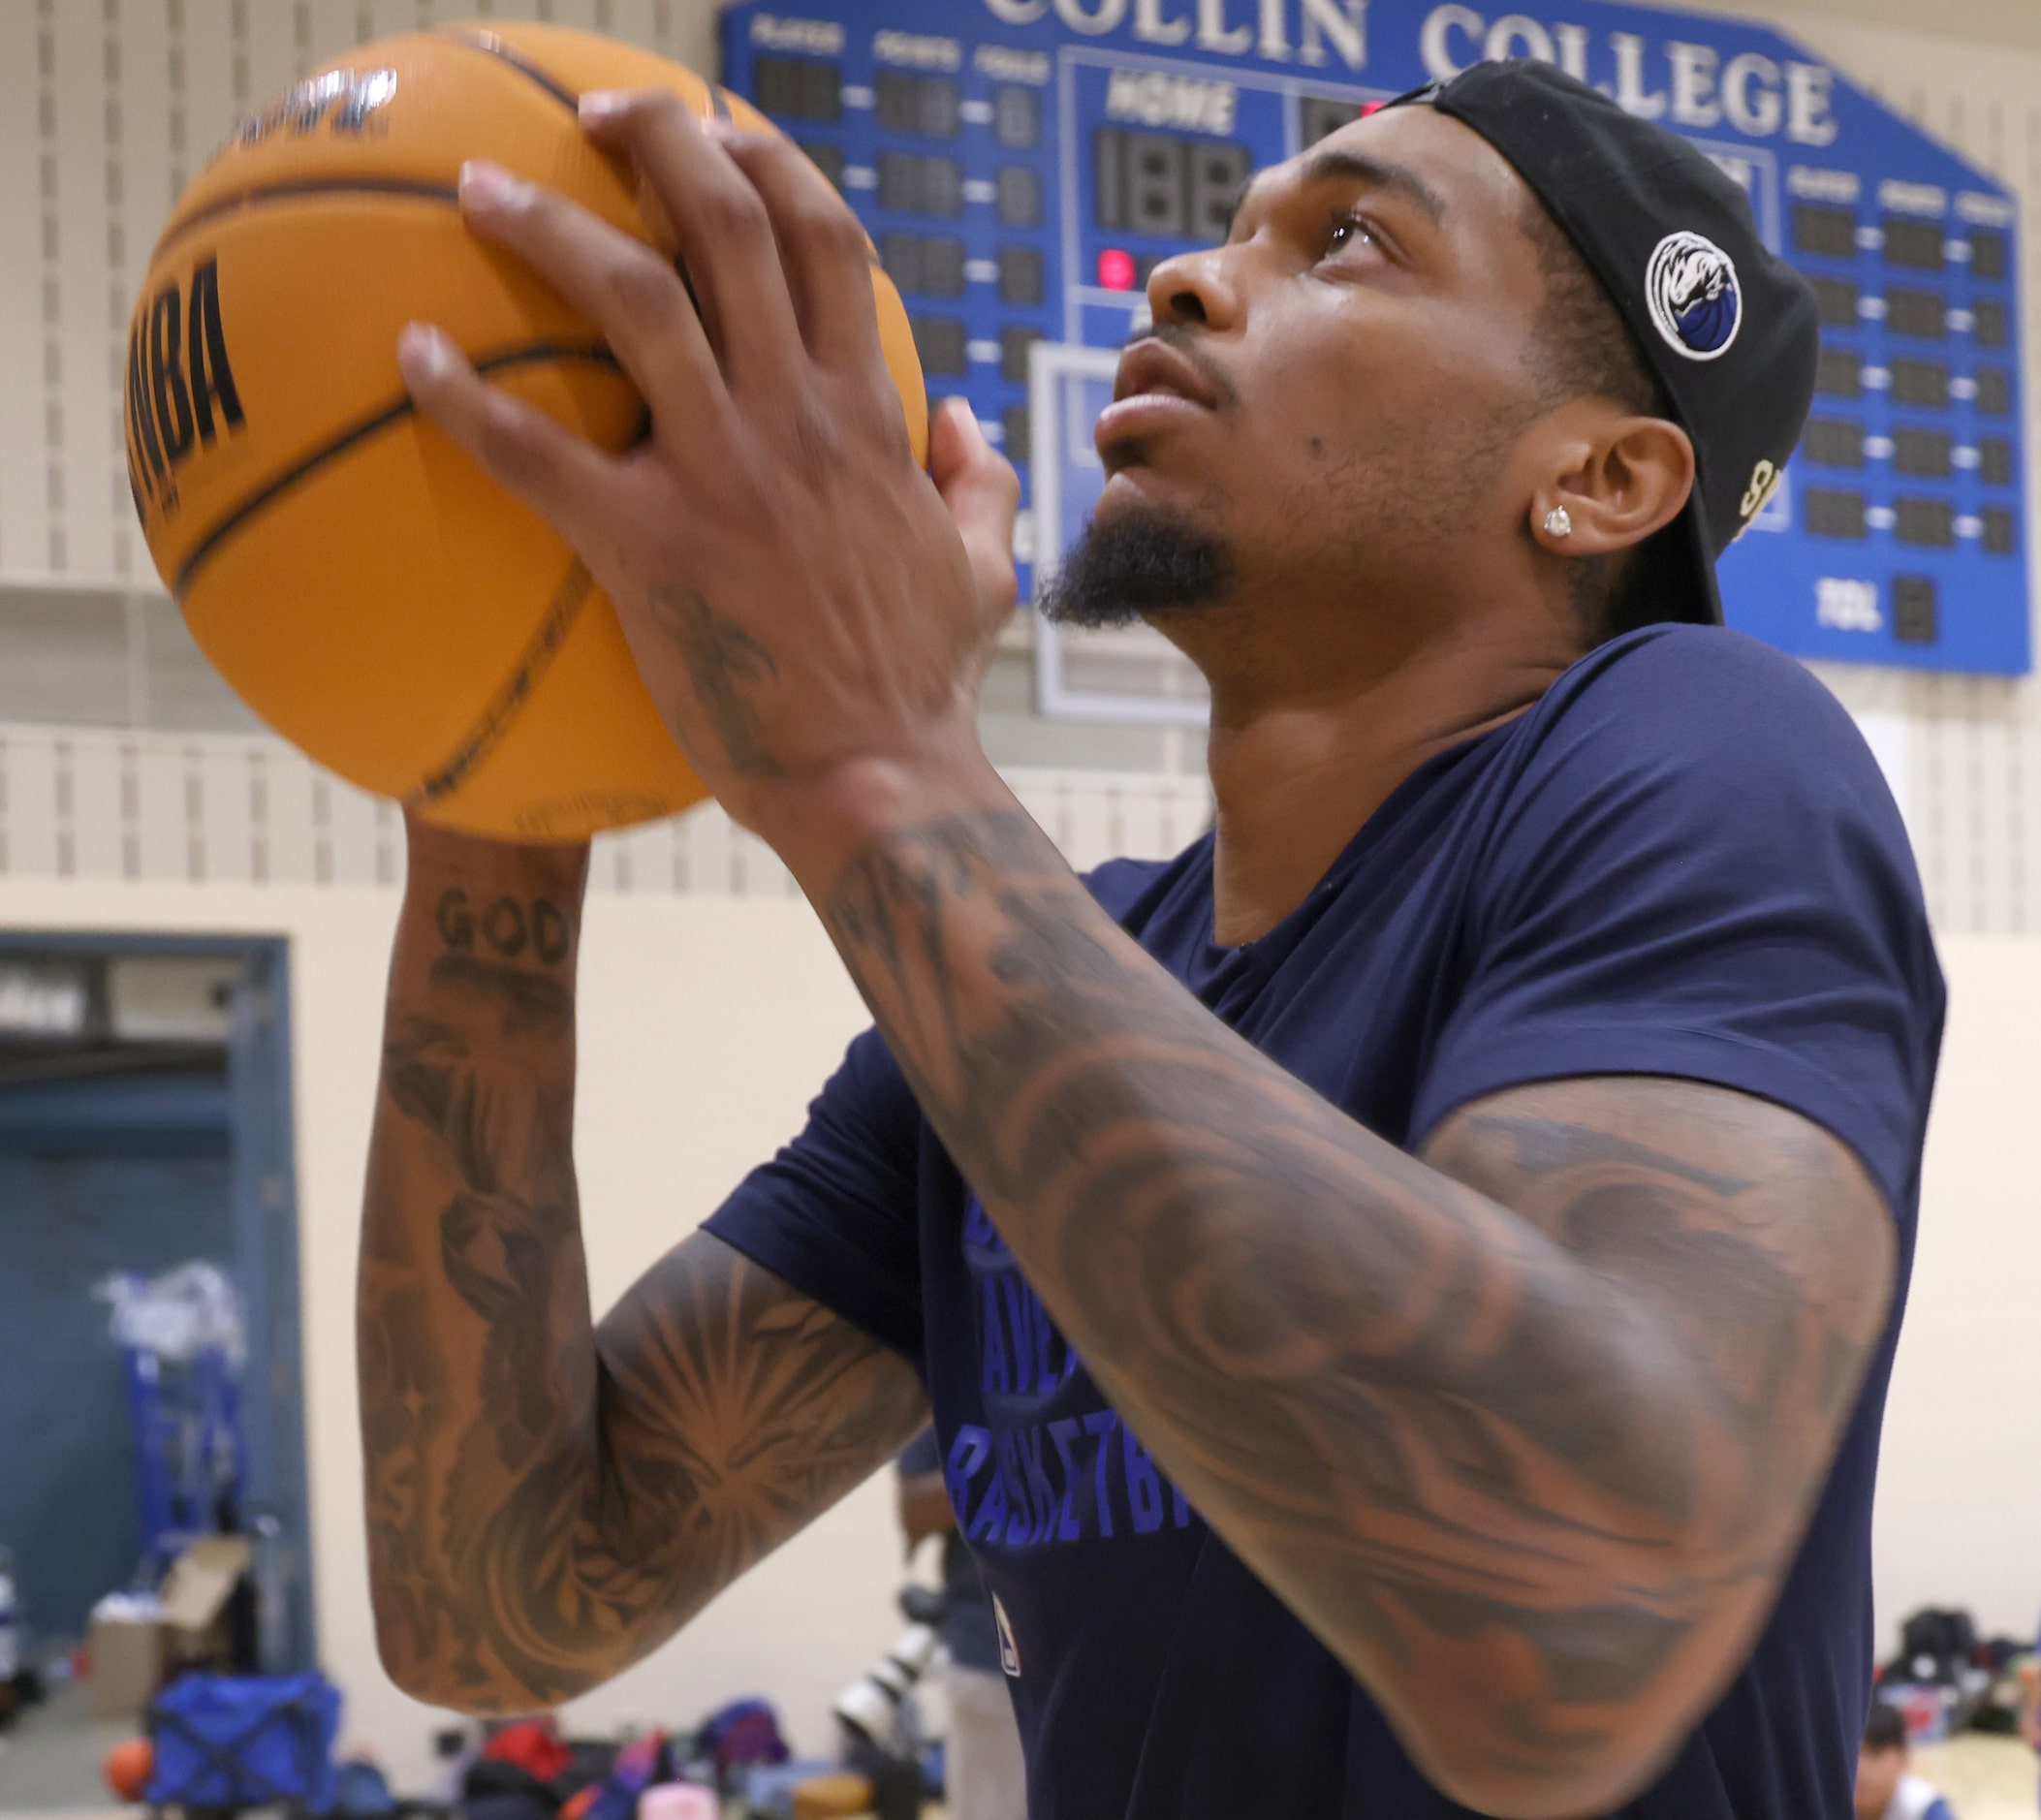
column 361, row 583
column 128, row 1767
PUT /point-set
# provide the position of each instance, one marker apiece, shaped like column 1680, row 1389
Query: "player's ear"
column 1631, row 478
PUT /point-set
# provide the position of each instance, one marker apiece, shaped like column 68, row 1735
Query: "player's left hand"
column 801, row 599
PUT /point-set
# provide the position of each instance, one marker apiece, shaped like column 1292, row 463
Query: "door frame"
column 262, row 1190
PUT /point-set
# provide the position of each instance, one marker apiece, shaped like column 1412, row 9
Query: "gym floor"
column 1984, row 1779
column 49, row 1766
column 50, row 1760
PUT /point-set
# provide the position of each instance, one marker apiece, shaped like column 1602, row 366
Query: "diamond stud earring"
column 1558, row 522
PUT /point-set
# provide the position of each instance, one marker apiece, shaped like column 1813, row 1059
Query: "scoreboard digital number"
column 1023, row 164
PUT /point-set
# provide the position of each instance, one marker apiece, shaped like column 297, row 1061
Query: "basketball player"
column 1406, row 1288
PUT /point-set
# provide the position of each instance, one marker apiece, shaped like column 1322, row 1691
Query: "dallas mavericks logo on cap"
column 1691, row 289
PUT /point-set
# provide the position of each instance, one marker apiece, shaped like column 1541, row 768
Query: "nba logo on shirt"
column 1009, row 1651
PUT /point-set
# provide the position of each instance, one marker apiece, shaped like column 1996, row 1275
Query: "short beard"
column 1137, row 565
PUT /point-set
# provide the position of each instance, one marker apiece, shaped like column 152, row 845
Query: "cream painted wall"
column 706, row 1024
column 1959, row 1517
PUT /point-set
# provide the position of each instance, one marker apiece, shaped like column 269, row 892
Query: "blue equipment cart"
column 224, row 1742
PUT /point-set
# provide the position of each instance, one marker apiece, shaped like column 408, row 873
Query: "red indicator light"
column 1372, row 107
column 1115, row 269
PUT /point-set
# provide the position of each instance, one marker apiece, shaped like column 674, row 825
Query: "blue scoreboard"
column 1022, row 165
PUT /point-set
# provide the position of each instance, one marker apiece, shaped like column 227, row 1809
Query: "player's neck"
column 1296, row 776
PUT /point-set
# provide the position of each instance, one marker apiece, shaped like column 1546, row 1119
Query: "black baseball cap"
column 1730, row 330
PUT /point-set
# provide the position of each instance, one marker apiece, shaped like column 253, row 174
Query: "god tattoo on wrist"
column 509, row 928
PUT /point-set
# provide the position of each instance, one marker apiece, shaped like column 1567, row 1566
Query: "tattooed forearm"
column 549, row 1499
column 1526, row 1431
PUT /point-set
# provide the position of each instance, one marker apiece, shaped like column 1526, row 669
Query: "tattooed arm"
column 1526, row 1431
column 549, row 1499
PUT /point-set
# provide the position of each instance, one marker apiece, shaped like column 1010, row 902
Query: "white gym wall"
column 711, row 1005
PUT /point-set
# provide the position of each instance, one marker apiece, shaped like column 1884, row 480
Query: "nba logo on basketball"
column 180, row 384
column 344, row 100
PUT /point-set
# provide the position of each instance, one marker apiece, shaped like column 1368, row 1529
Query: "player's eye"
column 1348, row 230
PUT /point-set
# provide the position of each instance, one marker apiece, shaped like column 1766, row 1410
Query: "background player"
column 1887, row 1789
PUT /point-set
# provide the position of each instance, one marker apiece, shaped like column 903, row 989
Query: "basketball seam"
column 419, row 189
column 508, row 702
column 524, row 354
column 486, row 42
column 297, row 189
column 491, row 46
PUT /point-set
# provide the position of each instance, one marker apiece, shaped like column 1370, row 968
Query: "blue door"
column 122, row 1155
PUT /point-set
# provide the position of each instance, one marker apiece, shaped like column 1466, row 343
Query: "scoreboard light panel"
column 1022, row 165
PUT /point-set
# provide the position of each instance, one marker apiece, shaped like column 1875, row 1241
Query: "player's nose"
column 1195, row 290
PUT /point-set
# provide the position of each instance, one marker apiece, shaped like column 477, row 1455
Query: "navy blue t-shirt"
column 1681, row 862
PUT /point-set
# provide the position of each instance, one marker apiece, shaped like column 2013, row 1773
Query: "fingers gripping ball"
column 351, row 573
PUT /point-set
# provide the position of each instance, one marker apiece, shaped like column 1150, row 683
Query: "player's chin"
column 1123, row 491
column 1136, row 484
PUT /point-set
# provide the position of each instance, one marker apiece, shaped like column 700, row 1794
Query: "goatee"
column 1137, row 565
